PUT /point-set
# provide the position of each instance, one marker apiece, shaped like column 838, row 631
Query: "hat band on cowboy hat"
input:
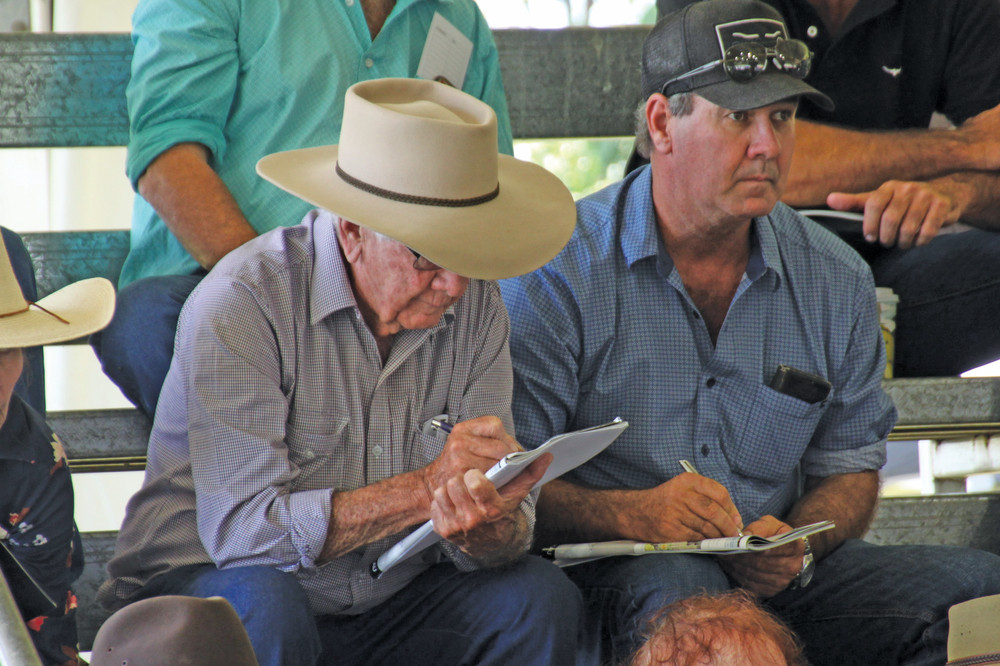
column 418, row 162
column 412, row 198
column 72, row 312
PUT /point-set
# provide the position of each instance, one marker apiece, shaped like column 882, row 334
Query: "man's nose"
column 765, row 140
column 452, row 284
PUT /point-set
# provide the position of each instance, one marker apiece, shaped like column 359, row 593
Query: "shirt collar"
column 764, row 251
column 641, row 237
column 864, row 12
column 330, row 289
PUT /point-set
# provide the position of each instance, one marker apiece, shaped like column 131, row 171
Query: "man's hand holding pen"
column 768, row 572
column 465, row 506
column 688, row 507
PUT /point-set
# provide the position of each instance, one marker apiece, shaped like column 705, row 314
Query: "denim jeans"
column 31, row 385
column 947, row 320
column 528, row 613
column 867, row 604
column 136, row 348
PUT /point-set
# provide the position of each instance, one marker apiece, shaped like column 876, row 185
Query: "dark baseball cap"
column 699, row 34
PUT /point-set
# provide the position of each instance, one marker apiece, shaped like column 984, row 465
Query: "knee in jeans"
column 547, row 592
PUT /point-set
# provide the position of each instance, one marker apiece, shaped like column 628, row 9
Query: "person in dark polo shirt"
column 889, row 65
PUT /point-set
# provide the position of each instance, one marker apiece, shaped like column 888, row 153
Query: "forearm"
column 836, row 159
column 568, row 513
column 977, row 194
column 194, row 203
column 847, row 499
column 359, row 517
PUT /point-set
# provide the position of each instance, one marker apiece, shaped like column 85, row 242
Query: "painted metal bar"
column 16, row 648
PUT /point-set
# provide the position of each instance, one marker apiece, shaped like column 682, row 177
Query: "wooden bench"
column 68, row 90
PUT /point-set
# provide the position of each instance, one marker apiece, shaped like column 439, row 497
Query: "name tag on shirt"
column 446, row 53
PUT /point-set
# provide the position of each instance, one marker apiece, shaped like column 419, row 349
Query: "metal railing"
column 16, row 648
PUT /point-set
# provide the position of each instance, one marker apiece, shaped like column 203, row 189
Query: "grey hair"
column 681, row 104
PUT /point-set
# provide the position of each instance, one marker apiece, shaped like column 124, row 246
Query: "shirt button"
column 711, row 382
column 376, row 451
column 811, row 31
column 704, row 449
column 369, row 63
column 349, row 3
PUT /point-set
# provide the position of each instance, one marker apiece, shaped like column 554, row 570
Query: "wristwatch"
column 805, row 574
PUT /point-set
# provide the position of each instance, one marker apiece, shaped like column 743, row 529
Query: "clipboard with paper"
column 578, row 553
column 569, row 450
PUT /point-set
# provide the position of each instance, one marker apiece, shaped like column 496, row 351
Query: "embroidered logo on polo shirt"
column 892, row 71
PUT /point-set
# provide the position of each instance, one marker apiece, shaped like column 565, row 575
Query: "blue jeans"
column 31, row 385
column 947, row 320
column 866, row 604
column 527, row 613
column 136, row 348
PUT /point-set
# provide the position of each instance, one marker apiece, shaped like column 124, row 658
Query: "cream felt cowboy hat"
column 974, row 632
column 417, row 161
column 75, row 310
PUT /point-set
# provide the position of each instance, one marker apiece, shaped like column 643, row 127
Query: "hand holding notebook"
column 568, row 450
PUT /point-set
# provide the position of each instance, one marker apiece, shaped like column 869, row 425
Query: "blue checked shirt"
column 277, row 396
column 606, row 329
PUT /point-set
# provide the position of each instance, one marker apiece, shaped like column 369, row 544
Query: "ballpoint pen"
column 688, row 467
column 443, row 426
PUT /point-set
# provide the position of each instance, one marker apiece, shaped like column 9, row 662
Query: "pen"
column 688, row 467
column 443, row 426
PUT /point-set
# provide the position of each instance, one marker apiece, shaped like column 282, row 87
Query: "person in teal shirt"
column 217, row 84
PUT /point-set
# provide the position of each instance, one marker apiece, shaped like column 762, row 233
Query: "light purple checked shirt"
column 277, row 396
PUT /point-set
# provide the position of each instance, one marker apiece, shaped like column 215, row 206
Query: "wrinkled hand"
column 767, row 572
column 688, row 507
column 471, row 513
column 465, row 506
column 474, row 444
column 982, row 132
column 902, row 213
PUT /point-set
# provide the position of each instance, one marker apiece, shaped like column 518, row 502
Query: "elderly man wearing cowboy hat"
column 293, row 442
column 36, row 493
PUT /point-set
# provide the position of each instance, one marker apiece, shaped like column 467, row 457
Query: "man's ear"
column 657, row 120
column 349, row 235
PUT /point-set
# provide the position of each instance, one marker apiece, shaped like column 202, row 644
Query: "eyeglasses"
column 745, row 60
column 422, row 263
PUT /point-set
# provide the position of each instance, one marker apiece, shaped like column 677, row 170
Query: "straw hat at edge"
column 974, row 632
column 72, row 312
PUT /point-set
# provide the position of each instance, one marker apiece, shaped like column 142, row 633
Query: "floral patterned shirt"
column 36, row 523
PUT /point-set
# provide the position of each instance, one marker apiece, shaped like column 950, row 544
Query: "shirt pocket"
column 775, row 433
column 318, row 447
column 427, row 442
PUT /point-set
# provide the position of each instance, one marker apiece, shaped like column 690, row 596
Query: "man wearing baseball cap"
column 735, row 336
column 297, row 436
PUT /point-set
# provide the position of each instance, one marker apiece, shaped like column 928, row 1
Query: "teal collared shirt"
column 249, row 78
